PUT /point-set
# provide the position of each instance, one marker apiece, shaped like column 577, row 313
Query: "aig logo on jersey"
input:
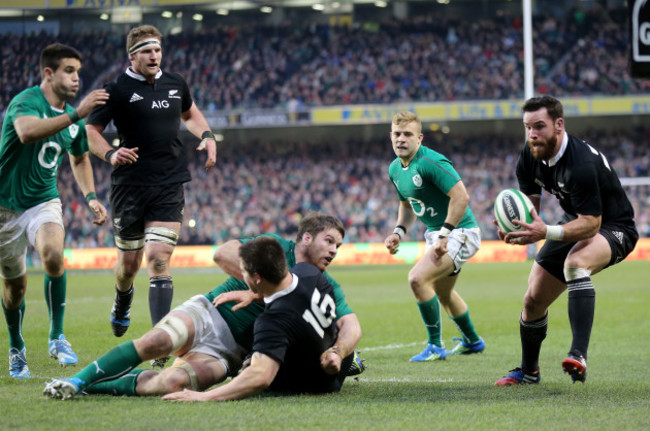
column 417, row 180
column 159, row 104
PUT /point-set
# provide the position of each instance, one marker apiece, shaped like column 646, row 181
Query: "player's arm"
column 255, row 378
column 227, row 257
column 199, row 127
column 83, row 173
column 100, row 147
column 348, row 338
column 583, row 227
column 405, row 219
column 31, row 128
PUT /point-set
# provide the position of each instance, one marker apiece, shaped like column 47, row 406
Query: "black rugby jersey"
column 581, row 179
column 297, row 326
column 147, row 116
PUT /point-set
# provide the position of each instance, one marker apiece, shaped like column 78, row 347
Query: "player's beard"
column 545, row 152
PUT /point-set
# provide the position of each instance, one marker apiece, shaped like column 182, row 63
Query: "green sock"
column 466, row 327
column 117, row 362
column 430, row 312
column 55, row 289
column 124, row 385
column 14, row 320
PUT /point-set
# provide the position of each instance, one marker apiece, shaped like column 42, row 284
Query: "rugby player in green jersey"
column 430, row 189
column 211, row 334
column 39, row 126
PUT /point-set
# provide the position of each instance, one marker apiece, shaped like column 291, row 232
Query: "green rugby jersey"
column 28, row 171
column 241, row 321
column 424, row 183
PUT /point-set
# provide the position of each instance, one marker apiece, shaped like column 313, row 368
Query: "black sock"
column 161, row 292
column 582, row 303
column 532, row 334
column 124, row 297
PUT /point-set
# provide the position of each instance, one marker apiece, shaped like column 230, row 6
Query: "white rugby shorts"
column 462, row 244
column 212, row 335
column 18, row 230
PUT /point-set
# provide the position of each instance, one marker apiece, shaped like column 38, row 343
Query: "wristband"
column 74, row 116
column 208, row 135
column 400, row 231
column 90, row 196
column 445, row 230
column 555, row 233
column 108, row 155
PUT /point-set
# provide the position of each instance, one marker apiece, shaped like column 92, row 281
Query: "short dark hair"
column 317, row 222
column 264, row 256
column 52, row 55
column 552, row 105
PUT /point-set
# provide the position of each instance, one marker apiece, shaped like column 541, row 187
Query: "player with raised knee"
column 597, row 230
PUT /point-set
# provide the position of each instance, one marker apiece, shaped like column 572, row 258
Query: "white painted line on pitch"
column 404, row 380
column 390, row 346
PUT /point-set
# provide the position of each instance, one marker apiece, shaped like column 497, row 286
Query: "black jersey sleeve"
column 101, row 115
column 584, row 189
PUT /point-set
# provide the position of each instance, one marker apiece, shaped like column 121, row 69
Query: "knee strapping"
column 163, row 235
column 575, row 273
column 194, row 379
column 129, row 244
column 176, row 329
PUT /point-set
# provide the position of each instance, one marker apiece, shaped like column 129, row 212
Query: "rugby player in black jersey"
column 147, row 105
column 294, row 336
column 597, row 231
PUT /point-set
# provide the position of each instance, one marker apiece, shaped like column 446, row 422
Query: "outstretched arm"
column 253, row 380
column 31, row 128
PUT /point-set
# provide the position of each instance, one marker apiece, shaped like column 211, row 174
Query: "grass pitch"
column 392, row 394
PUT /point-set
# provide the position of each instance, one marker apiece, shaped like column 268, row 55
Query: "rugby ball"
column 511, row 204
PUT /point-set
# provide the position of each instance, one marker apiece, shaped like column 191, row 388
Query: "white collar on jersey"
column 558, row 156
column 133, row 74
column 284, row 292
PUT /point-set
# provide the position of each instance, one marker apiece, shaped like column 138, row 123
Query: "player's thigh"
column 592, row 254
column 13, row 244
column 430, row 268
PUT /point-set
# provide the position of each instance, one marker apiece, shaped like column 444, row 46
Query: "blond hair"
column 407, row 117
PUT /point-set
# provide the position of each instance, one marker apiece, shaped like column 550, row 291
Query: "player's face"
column 249, row 279
column 543, row 134
column 322, row 249
column 147, row 61
column 65, row 79
column 406, row 139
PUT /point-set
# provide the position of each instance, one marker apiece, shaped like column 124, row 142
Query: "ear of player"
column 511, row 204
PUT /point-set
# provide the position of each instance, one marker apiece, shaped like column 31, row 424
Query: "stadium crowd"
column 266, row 187
column 423, row 58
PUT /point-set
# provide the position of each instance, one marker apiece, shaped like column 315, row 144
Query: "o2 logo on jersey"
column 44, row 156
column 419, row 208
column 321, row 313
column 159, row 104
